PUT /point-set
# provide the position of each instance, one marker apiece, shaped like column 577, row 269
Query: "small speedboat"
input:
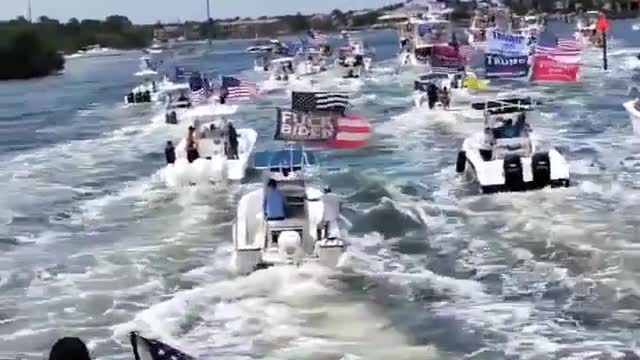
column 153, row 89
column 214, row 163
column 300, row 236
column 506, row 156
column 635, row 27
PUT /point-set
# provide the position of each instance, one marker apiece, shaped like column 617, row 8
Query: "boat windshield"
column 434, row 76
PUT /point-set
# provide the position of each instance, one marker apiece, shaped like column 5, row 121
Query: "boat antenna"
column 29, row 11
column 209, row 21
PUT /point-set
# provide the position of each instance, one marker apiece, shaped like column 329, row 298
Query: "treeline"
column 34, row 49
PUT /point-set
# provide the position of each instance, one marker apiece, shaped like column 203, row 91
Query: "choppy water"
column 93, row 245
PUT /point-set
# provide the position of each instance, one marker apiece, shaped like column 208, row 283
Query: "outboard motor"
column 130, row 98
column 171, row 118
column 541, row 169
column 290, row 245
column 138, row 98
column 170, row 153
column 512, row 166
column 147, row 96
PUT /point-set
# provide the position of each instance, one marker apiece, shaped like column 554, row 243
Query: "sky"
column 150, row 11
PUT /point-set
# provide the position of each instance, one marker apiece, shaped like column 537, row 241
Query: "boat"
column 498, row 163
column 354, row 58
column 443, row 82
column 177, row 104
column 418, row 36
column 282, row 75
column 454, row 80
column 530, row 25
column 633, row 109
column 153, row 88
column 635, row 27
column 586, row 26
column 263, row 46
column 261, row 243
column 486, row 19
column 157, row 47
column 94, row 51
column 213, row 165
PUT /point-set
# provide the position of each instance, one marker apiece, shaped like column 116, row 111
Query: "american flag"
column 238, row 89
column 156, row 349
column 323, row 101
column 317, row 38
column 353, row 132
column 562, row 50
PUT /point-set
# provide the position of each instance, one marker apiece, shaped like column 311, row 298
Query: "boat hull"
column 634, row 115
column 215, row 168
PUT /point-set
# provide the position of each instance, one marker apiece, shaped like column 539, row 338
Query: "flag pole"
column 604, row 50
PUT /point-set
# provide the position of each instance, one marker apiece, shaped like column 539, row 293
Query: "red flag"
column 353, row 132
column 603, row 24
column 545, row 68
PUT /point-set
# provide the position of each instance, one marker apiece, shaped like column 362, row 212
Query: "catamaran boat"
column 299, row 237
column 506, row 156
column 214, row 163
column 419, row 36
column 633, row 108
column 94, row 51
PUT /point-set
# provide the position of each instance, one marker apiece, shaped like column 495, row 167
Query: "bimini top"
column 506, row 106
column 294, row 158
column 433, row 76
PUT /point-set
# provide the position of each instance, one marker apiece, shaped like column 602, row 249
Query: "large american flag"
column 238, row 89
column 156, row 350
column 322, row 101
column 567, row 50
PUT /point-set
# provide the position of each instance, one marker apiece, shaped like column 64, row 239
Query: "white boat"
column 419, row 36
column 299, row 237
column 282, row 76
column 355, row 59
column 94, row 51
column 153, row 88
column 263, row 46
column 586, row 25
column 451, row 79
column 635, row 27
column 213, row 164
column 496, row 161
column 177, row 104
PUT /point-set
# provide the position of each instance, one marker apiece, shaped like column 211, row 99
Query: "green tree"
column 299, row 23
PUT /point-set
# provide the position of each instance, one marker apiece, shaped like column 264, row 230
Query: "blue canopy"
column 289, row 158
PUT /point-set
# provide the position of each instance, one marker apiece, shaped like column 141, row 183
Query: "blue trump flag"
column 156, row 350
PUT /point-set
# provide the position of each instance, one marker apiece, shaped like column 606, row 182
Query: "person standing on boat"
column 330, row 213
column 233, row 141
column 274, row 203
column 192, row 145
column 432, row 94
